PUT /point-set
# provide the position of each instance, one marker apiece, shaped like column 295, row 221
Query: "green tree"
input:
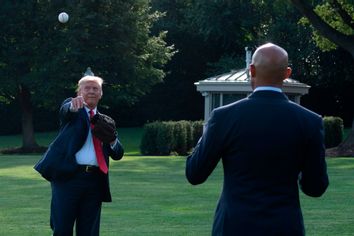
column 232, row 25
column 203, row 32
column 334, row 20
column 176, row 98
column 210, row 37
column 42, row 59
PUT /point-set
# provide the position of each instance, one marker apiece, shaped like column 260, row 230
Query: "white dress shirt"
column 87, row 155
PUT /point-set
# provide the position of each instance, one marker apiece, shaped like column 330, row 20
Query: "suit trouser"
column 77, row 200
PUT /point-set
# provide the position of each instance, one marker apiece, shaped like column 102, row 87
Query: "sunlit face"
column 91, row 91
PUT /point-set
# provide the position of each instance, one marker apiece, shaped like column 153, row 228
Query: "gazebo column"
column 297, row 99
column 207, row 105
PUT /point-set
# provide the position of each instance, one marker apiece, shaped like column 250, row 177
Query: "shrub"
column 163, row 138
column 181, row 140
column 148, row 142
column 333, row 128
column 197, row 128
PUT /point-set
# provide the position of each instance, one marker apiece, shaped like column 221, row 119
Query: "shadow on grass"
column 147, row 164
column 22, row 150
column 11, row 161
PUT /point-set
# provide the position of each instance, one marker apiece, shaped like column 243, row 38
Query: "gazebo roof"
column 239, row 81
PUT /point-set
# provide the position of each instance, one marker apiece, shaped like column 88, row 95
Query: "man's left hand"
column 104, row 128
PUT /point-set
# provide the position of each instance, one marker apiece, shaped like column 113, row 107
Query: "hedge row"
column 179, row 137
column 333, row 128
column 166, row 137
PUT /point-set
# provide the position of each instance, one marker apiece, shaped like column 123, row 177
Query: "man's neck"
column 267, row 88
column 88, row 109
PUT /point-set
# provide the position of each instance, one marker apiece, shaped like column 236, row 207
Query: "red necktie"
column 98, row 150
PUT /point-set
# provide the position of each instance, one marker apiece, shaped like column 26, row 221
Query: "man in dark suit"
column 268, row 145
column 76, row 164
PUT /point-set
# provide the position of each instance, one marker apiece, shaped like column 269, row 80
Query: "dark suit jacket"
column 267, row 145
column 59, row 162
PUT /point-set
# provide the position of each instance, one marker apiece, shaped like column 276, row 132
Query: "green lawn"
column 129, row 136
column 152, row 197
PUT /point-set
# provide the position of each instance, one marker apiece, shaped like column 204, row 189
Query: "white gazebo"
column 226, row 88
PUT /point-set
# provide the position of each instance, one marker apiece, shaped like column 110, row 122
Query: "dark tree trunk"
column 346, row 148
column 340, row 39
column 28, row 140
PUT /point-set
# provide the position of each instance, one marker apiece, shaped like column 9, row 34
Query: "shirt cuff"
column 114, row 144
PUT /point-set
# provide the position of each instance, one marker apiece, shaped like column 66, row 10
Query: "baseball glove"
column 104, row 128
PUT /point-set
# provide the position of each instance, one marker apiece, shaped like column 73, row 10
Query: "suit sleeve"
column 65, row 114
column 313, row 178
column 206, row 155
column 116, row 152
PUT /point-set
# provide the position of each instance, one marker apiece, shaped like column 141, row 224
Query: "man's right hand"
column 77, row 103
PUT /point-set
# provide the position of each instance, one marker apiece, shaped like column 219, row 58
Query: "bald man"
column 269, row 146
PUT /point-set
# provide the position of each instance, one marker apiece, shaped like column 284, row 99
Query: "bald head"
column 269, row 66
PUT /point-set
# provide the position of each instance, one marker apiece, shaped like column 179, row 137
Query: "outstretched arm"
column 69, row 108
column 206, row 154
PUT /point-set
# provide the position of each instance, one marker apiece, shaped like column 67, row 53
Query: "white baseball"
column 63, row 17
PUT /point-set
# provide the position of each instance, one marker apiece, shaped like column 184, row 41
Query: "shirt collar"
column 88, row 110
column 268, row 88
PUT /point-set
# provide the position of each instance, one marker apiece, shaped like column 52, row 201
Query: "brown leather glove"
column 104, row 128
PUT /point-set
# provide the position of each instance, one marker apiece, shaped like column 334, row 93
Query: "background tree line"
column 210, row 38
column 41, row 59
column 126, row 43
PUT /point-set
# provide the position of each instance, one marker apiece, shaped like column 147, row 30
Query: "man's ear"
column 288, row 72
column 252, row 70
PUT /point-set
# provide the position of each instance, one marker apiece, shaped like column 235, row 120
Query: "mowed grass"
column 152, row 197
column 129, row 136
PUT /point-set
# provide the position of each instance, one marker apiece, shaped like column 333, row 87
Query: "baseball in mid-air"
column 63, row 17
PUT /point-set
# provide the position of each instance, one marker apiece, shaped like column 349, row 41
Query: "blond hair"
column 88, row 78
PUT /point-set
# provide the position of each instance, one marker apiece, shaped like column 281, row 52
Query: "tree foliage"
column 334, row 20
column 339, row 15
column 232, row 25
column 41, row 59
column 113, row 37
column 211, row 37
